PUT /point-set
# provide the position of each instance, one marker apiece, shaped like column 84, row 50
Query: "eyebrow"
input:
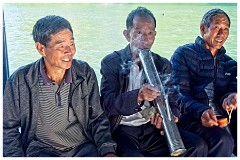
column 59, row 41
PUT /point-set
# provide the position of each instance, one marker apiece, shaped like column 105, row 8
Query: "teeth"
column 66, row 60
column 218, row 40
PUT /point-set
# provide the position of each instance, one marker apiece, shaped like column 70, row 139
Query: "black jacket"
column 115, row 69
column 193, row 69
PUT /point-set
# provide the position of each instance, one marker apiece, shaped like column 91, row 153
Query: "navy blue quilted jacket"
column 194, row 68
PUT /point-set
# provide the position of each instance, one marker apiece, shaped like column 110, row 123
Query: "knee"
column 198, row 148
column 201, row 147
column 221, row 143
column 224, row 138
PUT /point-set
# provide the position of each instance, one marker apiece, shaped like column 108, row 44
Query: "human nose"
column 69, row 48
column 66, row 49
column 144, row 37
column 220, row 31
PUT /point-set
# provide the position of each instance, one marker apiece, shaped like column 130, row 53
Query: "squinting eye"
column 226, row 29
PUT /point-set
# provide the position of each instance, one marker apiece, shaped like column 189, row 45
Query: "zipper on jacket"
column 71, row 93
column 215, row 70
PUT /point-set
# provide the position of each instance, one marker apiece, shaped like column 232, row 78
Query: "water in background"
column 98, row 28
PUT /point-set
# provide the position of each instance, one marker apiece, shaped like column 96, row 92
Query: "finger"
column 175, row 119
column 209, row 123
column 159, row 123
column 213, row 123
column 161, row 132
column 207, row 118
column 156, row 119
column 152, row 119
column 212, row 119
column 155, row 93
column 227, row 102
column 235, row 96
column 224, row 104
column 233, row 106
column 152, row 88
column 226, row 107
column 233, row 100
column 149, row 95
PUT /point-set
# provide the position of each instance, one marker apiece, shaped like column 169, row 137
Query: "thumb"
column 212, row 115
column 175, row 119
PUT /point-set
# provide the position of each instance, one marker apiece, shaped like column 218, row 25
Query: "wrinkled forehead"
column 220, row 18
column 143, row 19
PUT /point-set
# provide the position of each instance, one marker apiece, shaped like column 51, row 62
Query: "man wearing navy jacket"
column 206, row 79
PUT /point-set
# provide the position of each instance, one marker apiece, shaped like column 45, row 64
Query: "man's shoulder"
column 80, row 65
column 187, row 51
column 228, row 58
column 113, row 55
column 78, row 62
column 187, row 47
column 160, row 58
column 24, row 70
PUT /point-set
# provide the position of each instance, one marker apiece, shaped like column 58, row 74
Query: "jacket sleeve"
column 114, row 99
column 189, row 107
column 231, row 68
column 98, row 121
column 11, row 120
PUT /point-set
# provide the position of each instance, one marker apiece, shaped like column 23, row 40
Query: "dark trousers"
column 220, row 142
column 233, row 129
column 87, row 149
column 146, row 141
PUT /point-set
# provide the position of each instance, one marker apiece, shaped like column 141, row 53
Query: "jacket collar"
column 199, row 41
column 79, row 71
column 33, row 73
column 126, row 53
column 46, row 79
column 78, row 75
column 126, row 60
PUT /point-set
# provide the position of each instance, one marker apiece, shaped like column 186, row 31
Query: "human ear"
column 202, row 29
column 40, row 48
column 126, row 34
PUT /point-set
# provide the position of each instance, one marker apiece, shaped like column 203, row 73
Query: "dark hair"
column 140, row 11
column 207, row 18
column 47, row 26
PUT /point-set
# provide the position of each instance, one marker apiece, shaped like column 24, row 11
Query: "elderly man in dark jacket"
column 52, row 106
column 207, row 85
column 125, row 95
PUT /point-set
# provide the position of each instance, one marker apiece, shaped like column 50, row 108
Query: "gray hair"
column 207, row 18
column 45, row 27
column 140, row 11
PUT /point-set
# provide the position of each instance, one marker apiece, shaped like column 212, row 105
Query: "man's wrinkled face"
column 217, row 33
column 142, row 34
column 60, row 50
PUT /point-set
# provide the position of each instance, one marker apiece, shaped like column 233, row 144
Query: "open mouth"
column 66, row 59
column 219, row 40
